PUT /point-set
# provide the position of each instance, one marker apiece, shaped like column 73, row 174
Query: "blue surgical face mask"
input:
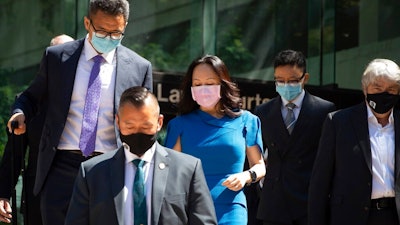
column 104, row 45
column 289, row 91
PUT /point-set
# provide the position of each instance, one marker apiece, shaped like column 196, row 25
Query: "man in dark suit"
column 290, row 137
column 80, row 82
column 355, row 179
column 175, row 187
column 30, row 204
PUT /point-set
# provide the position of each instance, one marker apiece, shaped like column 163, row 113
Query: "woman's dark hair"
column 230, row 102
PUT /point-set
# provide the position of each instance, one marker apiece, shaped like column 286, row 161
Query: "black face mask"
column 139, row 143
column 382, row 102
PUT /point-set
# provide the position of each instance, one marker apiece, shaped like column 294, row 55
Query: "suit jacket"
column 16, row 149
column 290, row 157
column 180, row 193
column 54, row 85
column 341, row 182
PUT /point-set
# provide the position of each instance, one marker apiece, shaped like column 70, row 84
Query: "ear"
column 305, row 80
column 86, row 23
column 306, row 77
column 117, row 121
column 160, row 122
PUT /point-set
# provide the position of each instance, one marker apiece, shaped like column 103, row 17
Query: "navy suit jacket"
column 180, row 193
column 54, row 84
column 341, row 182
column 290, row 157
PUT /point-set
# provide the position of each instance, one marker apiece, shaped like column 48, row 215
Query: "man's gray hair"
column 378, row 68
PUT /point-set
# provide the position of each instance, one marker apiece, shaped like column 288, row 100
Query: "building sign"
column 253, row 92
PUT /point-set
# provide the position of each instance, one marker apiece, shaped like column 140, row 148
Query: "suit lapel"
column 117, row 179
column 306, row 111
column 302, row 121
column 69, row 62
column 281, row 134
column 160, row 174
column 122, row 81
column 359, row 121
column 397, row 143
column 123, row 74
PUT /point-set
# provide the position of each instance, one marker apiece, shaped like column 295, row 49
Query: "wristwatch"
column 253, row 176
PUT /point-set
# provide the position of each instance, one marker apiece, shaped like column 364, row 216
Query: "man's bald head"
column 60, row 39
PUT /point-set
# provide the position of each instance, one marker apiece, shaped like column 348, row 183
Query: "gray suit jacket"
column 180, row 193
column 54, row 85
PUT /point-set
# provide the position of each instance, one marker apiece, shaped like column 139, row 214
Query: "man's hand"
column 5, row 210
column 20, row 118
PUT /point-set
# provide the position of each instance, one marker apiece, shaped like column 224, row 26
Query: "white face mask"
column 206, row 96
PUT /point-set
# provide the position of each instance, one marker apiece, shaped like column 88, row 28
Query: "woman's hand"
column 237, row 181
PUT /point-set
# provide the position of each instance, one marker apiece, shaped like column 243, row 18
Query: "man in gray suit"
column 175, row 186
column 81, row 83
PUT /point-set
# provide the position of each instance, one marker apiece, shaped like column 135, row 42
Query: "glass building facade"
column 338, row 37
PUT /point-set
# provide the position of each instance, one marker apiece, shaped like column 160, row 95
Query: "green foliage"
column 7, row 95
column 230, row 49
column 154, row 53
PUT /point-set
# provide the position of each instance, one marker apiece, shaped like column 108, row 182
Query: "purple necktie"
column 90, row 113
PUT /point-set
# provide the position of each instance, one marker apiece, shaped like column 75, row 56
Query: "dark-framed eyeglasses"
column 292, row 82
column 103, row 34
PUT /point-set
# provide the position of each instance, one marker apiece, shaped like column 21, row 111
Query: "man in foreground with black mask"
column 141, row 182
column 355, row 178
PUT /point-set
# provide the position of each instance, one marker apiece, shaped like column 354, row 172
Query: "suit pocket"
column 174, row 209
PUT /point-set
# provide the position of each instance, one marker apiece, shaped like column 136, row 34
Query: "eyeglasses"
column 103, row 34
column 293, row 82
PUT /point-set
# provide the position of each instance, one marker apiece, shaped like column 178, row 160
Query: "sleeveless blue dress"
column 220, row 144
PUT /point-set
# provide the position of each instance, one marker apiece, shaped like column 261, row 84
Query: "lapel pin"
column 161, row 166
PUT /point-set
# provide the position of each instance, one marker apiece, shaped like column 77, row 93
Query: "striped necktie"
column 290, row 119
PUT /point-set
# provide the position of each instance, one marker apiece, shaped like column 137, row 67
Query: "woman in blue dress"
column 212, row 127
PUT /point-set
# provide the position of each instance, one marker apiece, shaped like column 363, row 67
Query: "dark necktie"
column 87, row 139
column 290, row 119
column 139, row 195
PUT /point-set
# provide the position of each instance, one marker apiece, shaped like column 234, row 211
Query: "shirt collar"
column 371, row 116
column 297, row 101
column 90, row 52
column 147, row 156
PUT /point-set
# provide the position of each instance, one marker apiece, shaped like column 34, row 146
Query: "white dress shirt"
column 130, row 170
column 105, row 138
column 382, row 152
